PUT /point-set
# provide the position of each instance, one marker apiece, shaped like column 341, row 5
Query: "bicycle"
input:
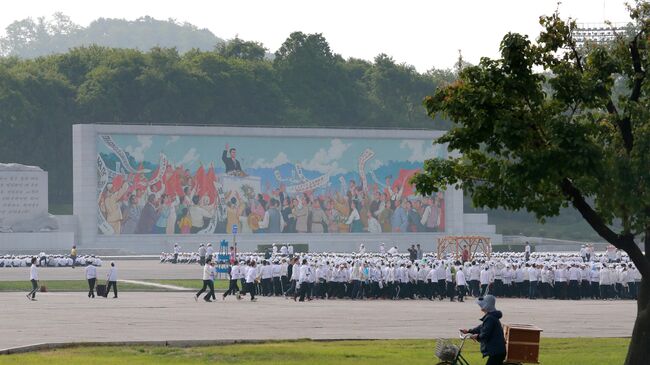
column 450, row 354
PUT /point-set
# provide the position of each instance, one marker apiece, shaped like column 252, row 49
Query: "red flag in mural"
column 173, row 182
column 117, row 182
column 403, row 178
column 208, row 185
column 199, row 178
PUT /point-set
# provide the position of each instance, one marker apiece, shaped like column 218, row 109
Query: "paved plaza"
column 72, row 317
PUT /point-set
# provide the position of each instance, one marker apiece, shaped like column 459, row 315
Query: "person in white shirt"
column 276, row 270
column 604, row 283
column 575, row 275
column 91, row 276
column 485, row 281
column 533, row 278
column 382, row 248
column 594, row 278
column 177, row 250
column 42, row 259
column 33, row 278
column 474, row 279
column 235, row 275
column 266, row 272
column 251, row 277
column 208, row 270
column 304, row 279
column 112, row 280
column 560, row 279
column 461, row 284
column 208, row 252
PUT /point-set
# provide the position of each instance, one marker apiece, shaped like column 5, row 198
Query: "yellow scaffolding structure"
column 455, row 244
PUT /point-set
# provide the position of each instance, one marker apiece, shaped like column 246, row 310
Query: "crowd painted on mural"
column 389, row 274
column 177, row 201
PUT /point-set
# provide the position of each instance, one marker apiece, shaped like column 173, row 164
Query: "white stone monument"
column 25, row 224
column 23, row 195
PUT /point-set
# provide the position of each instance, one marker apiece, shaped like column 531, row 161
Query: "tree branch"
column 625, row 124
column 639, row 73
column 623, row 242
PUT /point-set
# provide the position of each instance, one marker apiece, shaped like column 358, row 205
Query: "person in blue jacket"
column 490, row 332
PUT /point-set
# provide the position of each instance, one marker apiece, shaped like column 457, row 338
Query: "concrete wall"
column 34, row 242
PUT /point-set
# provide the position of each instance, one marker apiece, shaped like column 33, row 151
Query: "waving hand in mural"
column 229, row 158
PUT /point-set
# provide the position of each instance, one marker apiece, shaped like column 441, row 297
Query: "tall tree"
column 239, row 48
column 579, row 143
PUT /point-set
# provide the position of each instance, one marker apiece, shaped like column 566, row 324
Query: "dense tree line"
column 306, row 84
column 29, row 38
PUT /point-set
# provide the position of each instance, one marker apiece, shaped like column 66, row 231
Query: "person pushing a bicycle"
column 490, row 332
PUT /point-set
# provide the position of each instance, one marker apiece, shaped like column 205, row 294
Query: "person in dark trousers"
column 207, row 282
column 490, row 332
column 251, row 278
column 234, row 278
column 91, row 276
column 112, row 280
column 33, row 278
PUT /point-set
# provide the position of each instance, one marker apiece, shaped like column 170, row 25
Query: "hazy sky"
column 422, row 33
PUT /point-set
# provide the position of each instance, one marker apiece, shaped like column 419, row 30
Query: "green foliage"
column 539, row 141
column 575, row 351
column 239, row 48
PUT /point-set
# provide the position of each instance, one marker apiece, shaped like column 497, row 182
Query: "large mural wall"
column 192, row 184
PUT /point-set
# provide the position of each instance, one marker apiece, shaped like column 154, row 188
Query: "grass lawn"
column 70, row 285
column 220, row 284
column 390, row 352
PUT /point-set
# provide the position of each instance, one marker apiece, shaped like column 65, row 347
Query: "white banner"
column 366, row 155
column 299, row 172
column 162, row 167
column 108, row 141
column 103, row 174
column 309, row 185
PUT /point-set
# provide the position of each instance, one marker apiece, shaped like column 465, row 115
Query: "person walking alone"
column 33, row 278
column 112, row 281
column 207, row 282
column 91, row 276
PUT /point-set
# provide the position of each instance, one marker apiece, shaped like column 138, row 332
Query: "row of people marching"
column 353, row 276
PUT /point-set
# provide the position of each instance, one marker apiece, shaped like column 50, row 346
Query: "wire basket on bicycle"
column 445, row 350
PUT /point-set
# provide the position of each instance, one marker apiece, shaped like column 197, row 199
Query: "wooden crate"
column 522, row 343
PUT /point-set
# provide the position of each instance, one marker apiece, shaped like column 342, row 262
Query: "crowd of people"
column 49, row 260
column 419, row 275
